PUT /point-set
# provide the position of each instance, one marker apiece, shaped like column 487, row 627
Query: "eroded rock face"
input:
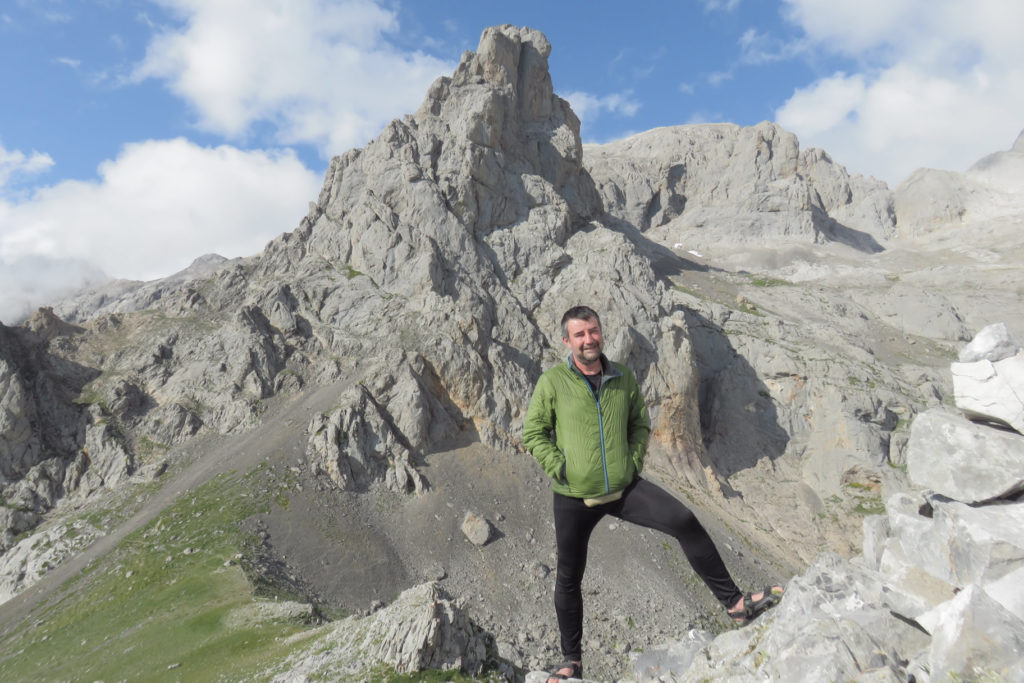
column 460, row 236
column 723, row 183
column 25, row 563
column 422, row 629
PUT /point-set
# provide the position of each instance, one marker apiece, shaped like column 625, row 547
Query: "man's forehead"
column 580, row 325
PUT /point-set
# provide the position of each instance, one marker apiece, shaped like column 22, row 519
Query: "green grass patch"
column 154, row 608
column 763, row 281
column 869, row 506
column 146, row 447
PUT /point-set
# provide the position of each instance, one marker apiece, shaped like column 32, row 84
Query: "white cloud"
column 32, row 281
column 720, row 5
column 322, row 72
column 763, row 48
column 826, row 104
column 158, row 206
column 940, row 84
column 588, row 107
column 719, row 77
column 17, row 163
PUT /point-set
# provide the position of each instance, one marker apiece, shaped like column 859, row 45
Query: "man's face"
column 584, row 340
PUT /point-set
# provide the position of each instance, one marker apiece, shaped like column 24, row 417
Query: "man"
column 587, row 426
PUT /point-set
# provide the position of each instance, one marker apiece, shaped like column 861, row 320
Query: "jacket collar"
column 608, row 369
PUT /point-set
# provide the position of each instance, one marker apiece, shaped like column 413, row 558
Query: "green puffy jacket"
column 590, row 445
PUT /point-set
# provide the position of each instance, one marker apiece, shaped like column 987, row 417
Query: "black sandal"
column 576, row 671
column 752, row 609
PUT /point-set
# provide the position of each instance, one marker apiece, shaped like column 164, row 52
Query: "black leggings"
column 647, row 505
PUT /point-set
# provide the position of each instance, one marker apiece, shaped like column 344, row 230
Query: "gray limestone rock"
column 975, row 636
column 961, row 544
column 657, row 663
column 929, row 200
column 476, row 528
column 359, row 444
column 992, row 343
column 989, row 390
column 910, row 590
column 830, row 625
column 720, row 182
column 876, row 530
column 25, row 563
column 422, row 629
column 1009, row 591
column 964, row 460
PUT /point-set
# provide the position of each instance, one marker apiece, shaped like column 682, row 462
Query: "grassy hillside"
column 171, row 602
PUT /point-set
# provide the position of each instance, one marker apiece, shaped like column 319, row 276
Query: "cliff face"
column 786, row 321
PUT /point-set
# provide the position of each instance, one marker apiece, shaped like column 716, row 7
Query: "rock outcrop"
column 934, row 596
column 422, row 629
column 32, row 557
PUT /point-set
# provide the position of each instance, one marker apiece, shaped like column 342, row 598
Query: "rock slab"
column 964, row 460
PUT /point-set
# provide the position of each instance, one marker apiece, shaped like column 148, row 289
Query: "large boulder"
column 988, row 382
column 423, row 629
column 964, row 460
column 992, row 343
column 991, row 391
column 972, row 633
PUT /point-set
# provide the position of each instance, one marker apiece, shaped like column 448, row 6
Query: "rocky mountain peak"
column 516, row 58
column 783, row 322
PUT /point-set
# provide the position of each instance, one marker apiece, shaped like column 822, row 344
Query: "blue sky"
column 136, row 135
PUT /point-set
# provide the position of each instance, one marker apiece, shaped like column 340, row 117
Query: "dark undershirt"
column 595, row 381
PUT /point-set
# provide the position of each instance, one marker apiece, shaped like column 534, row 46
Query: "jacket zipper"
column 600, row 424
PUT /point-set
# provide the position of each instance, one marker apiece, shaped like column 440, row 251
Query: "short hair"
column 578, row 313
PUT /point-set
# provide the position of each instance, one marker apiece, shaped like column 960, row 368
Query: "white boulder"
column 974, row 633
column 964, row 460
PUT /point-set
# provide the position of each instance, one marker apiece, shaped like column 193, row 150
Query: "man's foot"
column 752, row 605
column 567, row 670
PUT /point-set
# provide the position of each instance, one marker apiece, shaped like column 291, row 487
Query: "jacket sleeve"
column 639, row 426
column 537, row 432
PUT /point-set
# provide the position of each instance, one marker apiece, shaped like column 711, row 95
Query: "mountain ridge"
column 758, row 292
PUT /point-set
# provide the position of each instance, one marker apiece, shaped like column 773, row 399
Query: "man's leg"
column 574, row 522
column 650, row 506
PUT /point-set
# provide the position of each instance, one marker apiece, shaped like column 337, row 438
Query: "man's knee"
column 568, row 577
